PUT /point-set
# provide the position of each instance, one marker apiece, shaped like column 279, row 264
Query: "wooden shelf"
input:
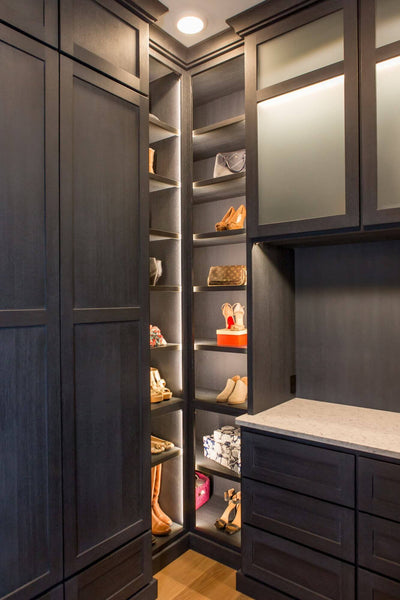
column 158, row 459
column 167, row 347
column 167, row 406
column 165, row 288
column 157, row 235
column 211, row 346
column 218, row 238
column 219, row 188
column 210, row 467
column 165, row 540
column 206, row 517
column 219, row 288
column 220, row 81
column 159, row 130
column 207, row 400
column 225, row 136
column 158, row 183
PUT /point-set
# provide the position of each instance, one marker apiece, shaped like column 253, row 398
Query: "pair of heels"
column 159, row 445
column 231, row 519
column 158, row 389
column 160, row 522
column 235, row 390
column 155, row 270
column 233, row 219
column 234, row 316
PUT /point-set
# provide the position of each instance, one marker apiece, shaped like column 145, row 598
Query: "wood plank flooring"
column 193, row 576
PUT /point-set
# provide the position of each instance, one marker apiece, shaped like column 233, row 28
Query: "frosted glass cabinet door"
column 301, row 154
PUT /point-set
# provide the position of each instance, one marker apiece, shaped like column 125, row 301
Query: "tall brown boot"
column 156, row 493
column 158, row 527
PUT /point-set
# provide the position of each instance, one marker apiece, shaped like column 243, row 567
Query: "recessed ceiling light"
column 190, row 25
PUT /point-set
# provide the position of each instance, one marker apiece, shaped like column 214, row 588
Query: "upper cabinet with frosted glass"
column 380, row 111
column 302, row 122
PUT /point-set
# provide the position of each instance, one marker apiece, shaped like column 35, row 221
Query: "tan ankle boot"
column 159, row 513
column 157, row 526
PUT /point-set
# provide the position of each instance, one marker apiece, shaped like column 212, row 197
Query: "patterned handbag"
column 227, row 275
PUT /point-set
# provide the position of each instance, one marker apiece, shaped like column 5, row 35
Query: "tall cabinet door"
column 30, row 437
column 104, row 305
column 39, row 18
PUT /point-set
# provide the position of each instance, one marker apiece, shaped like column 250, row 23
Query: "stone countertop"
column 352, row 427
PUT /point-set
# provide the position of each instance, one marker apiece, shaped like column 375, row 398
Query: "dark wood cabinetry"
column 30, row 447
column 38, row 18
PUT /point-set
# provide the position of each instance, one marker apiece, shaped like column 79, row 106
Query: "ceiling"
column 214, row 11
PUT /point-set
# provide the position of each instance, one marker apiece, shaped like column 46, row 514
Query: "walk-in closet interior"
column 199, row 296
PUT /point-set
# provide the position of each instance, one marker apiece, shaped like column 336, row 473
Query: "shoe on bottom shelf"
column 158, row 527
column 228, row 389
column 239, row 394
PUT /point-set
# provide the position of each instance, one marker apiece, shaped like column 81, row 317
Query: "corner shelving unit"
column 219, row 126
column 166, row 297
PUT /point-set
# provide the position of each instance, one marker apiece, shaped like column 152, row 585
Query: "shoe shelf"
column 159, row 182
column 165, row 288
column 167, row 406
column 219, row 188
column 224, row 136
column 212, row 468
column 207, row 400
column 165, row 540
column 219, row 288
column 160, row 130
column 206, row 517
column 216, row 238
column 158, row 459
column 167, row 347
column 157, row 235
column 211, row 346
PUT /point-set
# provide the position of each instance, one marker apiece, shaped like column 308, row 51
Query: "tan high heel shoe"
column 238, row 313
column 239, row 394
column 155, row 393
column 222, row 225
column 236, row 524
column 222, row 522
column 237, row 220
column 227, row 312
column 228, row 389
column 160, row 384
column 164, row 443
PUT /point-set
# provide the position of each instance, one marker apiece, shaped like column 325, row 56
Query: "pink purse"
column 202, row 491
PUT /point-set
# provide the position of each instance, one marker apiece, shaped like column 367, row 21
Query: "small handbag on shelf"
column 227, row 275
column 227, row 163
column 202, row 490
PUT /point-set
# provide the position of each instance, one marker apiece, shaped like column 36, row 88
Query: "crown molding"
column 149, row 10
column 264, row 14
column 168, row 46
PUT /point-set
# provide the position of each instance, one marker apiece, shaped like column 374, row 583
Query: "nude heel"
column 237, row 220
column 236, row 524
column 222, row 225
column 223, row 521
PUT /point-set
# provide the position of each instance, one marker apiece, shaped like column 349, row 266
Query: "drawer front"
column 117, row 577
column 105, row 35
column 38, row 18
column 294, row 569
column 379, row 488
column 375, row 587
column 315, row 523
column 318, row 472
column 55, row 594
column 379, row 545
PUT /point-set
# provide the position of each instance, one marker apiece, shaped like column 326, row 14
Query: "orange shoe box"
column 227, row 337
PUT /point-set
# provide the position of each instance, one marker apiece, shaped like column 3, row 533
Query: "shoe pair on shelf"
column 159, row 445
column 235, row 390
column 158, row 389
column 234, row 316
column 160, row 522
column 233, row 219
column 231, row 519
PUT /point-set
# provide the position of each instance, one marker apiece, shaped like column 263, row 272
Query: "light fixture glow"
column 190, row 25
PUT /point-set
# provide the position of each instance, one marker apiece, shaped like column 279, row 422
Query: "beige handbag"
column 227, row 275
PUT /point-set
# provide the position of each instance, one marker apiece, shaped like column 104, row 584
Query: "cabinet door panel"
column 374, row 587
column 320, row 525
column 379, row 545
column 294, row 569
column 104, row 310
column 39, row 18
column 30, row 440
column 108, row 37
column 318, row 472
column 56, row 594
column 379, row 488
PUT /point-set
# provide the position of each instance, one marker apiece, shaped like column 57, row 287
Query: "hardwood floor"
column 193, row 576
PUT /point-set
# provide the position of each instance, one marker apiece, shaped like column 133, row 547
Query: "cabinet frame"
column 46, row 31
column 348, row 67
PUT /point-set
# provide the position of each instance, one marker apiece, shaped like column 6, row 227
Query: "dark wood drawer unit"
column 318, row 472
column 105, row 35
column 38, row 18
column 56, row 594
column 379, row 545
column 294, row 569
column 258, row 590
column 315, row 523
column 375, row 587
column 379, row 488
column 117, row 577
